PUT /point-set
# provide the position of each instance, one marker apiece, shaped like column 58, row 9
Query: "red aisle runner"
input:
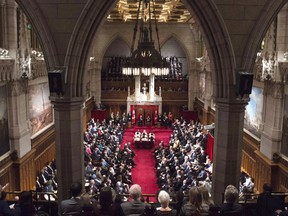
column 144, row 173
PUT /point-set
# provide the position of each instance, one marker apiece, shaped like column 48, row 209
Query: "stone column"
column 137, row 87
column 95, row 73
column 228, row 145
column 11, row 33
column 69, row 143
column 18, row 115
column 271, row 135
column 208, row 90
column 282, row 36
column 152, row 87
column 193, row 87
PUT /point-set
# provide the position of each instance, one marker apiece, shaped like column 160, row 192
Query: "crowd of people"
column 106, row 164
column 183, row 170
column 183, row 164
column 109, row 203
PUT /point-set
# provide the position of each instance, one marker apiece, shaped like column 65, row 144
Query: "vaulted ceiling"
column 165, row 10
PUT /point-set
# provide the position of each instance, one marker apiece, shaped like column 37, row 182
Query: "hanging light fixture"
column 145, row 60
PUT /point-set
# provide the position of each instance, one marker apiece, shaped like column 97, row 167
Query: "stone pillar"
column 271, row 135
column 193, row 87
column 18, row 115
column 137, row 87
column 95, row 73
column 282, row 36
column 228, row 145
column 69, row 143
column 11, row 34
column 152, row 87
column 208, row 90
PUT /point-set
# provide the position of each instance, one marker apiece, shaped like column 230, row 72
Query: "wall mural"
column 40, row 107
column 253, row 113
column 284, row 146
column 4, row 135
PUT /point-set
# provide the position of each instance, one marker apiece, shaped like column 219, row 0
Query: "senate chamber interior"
column 170, row 95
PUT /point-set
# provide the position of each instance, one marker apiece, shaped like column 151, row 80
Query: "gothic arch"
column 89, row 20
column 259, row 31
column 181, row 45
column 111, row 40
column 218, row 45
column 187, row 61
column 35, row 15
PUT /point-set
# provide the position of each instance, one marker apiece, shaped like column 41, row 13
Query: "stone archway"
column 66, row 43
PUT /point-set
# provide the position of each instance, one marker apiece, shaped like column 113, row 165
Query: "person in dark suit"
column 136, row 206
column 75, row 203
column 230, row 205
column 4, row 206
column 268, row 204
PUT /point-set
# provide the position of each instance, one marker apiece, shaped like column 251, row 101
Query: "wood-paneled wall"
column 21, row 173
column 89, row 106
column 205, row 116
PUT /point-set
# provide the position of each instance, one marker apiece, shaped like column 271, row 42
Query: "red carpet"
column 143, row 173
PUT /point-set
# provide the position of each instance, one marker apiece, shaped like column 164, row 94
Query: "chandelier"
column 145, row 60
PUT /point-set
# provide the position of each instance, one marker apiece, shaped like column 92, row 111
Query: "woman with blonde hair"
column 207, row 202
column 164, row 209
column 194, row 206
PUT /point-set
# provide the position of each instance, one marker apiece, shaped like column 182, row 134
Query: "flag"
column 133, row 116
column 155, row 117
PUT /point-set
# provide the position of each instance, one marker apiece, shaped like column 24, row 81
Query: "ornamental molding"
column 6, row 69
column 17, row 87
column 283, row 70
column 275, row 89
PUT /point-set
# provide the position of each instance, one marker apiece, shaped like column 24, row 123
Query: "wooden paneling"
column 89, row 106
column 21, row 173
column 7, row 173
column 25, row 171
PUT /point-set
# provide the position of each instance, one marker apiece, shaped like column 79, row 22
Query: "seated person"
column 267, row 204
column 140, row 120
column 148, row 120
column 151, row 136
column 137, row 136
column 135, row 206
column 75, row 203
column 230, row 205
column 144, row 136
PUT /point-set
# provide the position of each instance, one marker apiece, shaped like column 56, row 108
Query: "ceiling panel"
column 165, row 10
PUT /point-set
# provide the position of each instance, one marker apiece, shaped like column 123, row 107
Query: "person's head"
column 204, row 194
column 105, row 197
column 25, row 197
column 86, row 199
column 179, row 196
column 231, row 194
column 76, row 189
column 195, row 197
column 164, row 198
column 135, row 191
column 267, row 188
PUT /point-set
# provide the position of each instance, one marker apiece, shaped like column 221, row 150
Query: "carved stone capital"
column 6, row 69
column 275, row 89
column 17, row 87
column 283, row 70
